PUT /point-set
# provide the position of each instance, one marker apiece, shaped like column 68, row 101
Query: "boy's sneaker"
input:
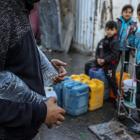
column 136, row 116
column 135, row 128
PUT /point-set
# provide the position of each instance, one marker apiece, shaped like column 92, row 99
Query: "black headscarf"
column 30, row 4
column 14, row 24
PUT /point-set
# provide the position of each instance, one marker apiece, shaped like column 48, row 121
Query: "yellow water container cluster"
column 96, row 90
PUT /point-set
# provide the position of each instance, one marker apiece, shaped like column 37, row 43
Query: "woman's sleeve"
column 14, row 114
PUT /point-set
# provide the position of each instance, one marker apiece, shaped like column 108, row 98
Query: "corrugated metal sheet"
column 84, row 24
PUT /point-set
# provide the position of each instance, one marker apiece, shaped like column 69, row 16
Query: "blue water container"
column 98, row 73
column 58, row 88
column 75, row 98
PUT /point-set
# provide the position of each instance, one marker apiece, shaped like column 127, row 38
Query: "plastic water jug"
column 82, row 78
column 126, row 76
column 75, row 77
column 96, row 94
column 98, row 73
column 75, row 98
column 58, row 88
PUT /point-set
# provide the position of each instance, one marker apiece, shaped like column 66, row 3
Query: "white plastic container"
column 50, row 92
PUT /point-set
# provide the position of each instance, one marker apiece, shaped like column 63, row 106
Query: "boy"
column 107, row 55
column 126, row 32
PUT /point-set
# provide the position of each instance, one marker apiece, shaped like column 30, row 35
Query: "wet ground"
column 76, row 128
column 74, row 60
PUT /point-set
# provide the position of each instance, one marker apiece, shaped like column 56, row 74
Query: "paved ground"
column 76, row 128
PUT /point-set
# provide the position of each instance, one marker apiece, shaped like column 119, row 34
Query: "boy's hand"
column 55, row 114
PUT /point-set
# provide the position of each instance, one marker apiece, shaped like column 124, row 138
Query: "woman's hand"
column 59, row 65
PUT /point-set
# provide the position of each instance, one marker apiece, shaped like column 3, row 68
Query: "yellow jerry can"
column 82, row 78
column 75, row 77
column 126, row 76
column 96, row 94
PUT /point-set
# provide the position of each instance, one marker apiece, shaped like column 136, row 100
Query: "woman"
column 24, row 70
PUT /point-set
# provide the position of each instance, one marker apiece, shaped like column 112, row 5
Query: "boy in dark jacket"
column 107, row 55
